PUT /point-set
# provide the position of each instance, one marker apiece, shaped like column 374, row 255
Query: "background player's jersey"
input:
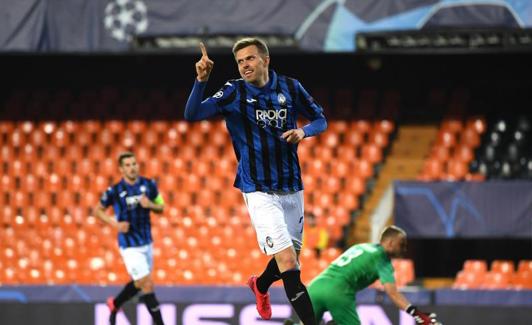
column 256, row 118
column 361, row 265
column 125, row 201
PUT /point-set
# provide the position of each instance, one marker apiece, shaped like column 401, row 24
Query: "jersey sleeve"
column 107, row 197
column 311, row 110
column 219, row 103
column 153, row 192
column 385, row 271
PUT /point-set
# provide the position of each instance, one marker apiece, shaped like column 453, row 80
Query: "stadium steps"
column 404, row 162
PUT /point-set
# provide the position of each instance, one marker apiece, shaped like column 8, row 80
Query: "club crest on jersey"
column 143, row 189
column 281, row 98
column 219, row 94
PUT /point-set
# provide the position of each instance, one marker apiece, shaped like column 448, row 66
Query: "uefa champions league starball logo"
column 126, row 18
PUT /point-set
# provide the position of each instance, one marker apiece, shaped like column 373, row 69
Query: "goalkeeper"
column 335, row 289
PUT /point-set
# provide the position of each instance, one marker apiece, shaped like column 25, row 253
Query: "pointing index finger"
column 203, row 49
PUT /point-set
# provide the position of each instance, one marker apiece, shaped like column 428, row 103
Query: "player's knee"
column 286, row 261
column 145, row 284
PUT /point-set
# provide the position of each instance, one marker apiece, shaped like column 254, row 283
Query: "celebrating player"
column 261, row 111
column 335, row 289
column 132, row 199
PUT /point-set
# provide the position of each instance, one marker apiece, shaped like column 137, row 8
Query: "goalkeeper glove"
column 422, row 318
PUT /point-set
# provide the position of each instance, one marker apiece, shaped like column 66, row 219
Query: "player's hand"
column 122, row 226
column 145, row 202
column 204, row 65
column 294, row 135
column 422, row 318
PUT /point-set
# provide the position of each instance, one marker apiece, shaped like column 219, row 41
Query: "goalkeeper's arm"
column 402, row 303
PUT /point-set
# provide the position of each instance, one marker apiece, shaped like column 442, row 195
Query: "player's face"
column 252, row 66
column 130, row 169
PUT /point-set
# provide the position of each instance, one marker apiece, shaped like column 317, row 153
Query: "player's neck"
column 261, row 82
column 130, row 181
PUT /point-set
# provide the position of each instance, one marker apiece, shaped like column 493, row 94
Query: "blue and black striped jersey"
column 256, row 118
column 125, row 201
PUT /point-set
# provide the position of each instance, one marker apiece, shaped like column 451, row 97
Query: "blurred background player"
column 261, row 112
column 132, row 199
column 335, row 289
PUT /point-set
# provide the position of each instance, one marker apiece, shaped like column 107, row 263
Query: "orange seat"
column 372, row 153
column 330, row 139
column 385, row 126
column 440, row 153
column 355, row 185
column 363, row 168
column 348, row 200
column 115, row 126
column 451, row 125
column 496, row 281
column 456, row 169
column 477, row 123
column 362, row 126
column 404, row 271
column 446, row 138
column 503, row 266
column 354, row 137
column 524, row 266
column 463, row 153
column 476, row 266
column 433, row 169
column 522, row 280
column 338, row 127
column 470, row 137
column 379, row 138
column 468, row 280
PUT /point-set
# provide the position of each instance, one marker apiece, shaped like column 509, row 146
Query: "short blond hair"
column 249, row 41
column 391, row 232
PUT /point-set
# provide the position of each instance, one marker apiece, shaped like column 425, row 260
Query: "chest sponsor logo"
column 133, row 201
column 272, row 118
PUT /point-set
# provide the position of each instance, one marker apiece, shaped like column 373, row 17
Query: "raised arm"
column 196, row 109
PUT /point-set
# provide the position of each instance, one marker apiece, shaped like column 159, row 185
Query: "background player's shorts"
column 138, row 260
column 277, row 218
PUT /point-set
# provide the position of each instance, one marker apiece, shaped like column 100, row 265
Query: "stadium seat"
column 468, row 280
column 476, row 266
column 451, row 125
column 496, row 281
column 522, row 280
column 524, row 266
column 385, row 126
column 354, row 137
column 503, row 266
column 470, row 137
column 404, row 271
column 446, row 138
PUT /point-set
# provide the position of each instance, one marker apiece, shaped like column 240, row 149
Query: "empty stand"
column 55, row 172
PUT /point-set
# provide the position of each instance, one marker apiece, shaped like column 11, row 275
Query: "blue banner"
column 327, row 25
column 494, row 209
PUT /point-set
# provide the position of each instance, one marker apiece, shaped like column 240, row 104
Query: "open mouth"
column 248, row 73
